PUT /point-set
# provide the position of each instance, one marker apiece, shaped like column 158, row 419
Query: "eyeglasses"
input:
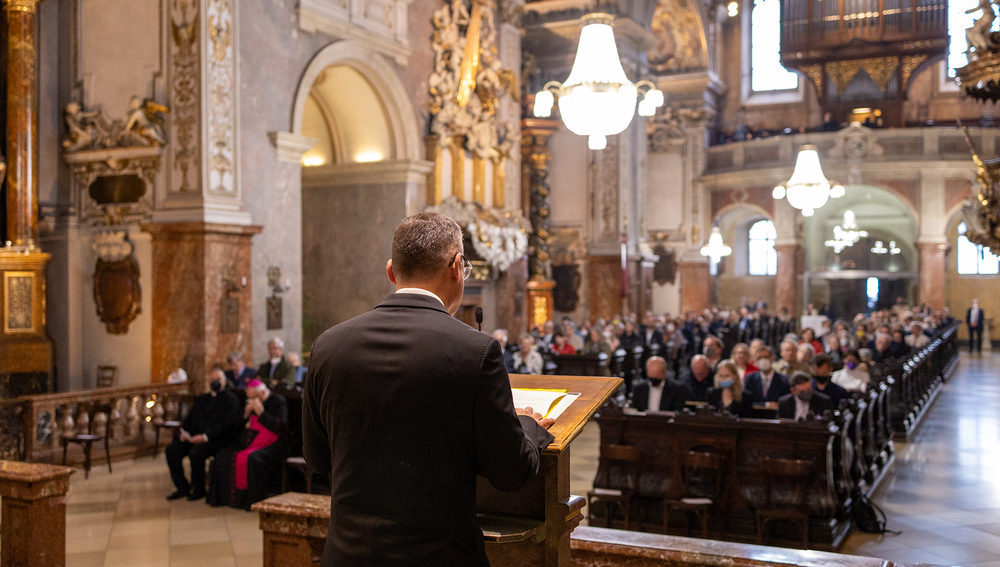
column 466, row 266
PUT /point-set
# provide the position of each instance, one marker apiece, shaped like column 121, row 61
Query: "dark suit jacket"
column 672, row 399
column 755, row 385
column 696, row 391
column 818, row 404
column 657, row 339
column 833, row 391
column 742, row 408
column 216, row 416
column 243, row 379
column 284, row 373
column 404, row 406
column 968, row 318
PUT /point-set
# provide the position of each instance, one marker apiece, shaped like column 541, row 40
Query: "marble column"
column 786, row 280
column 535, row 157
column 696, row 286
column 26, row 356
column 198, row 269
column 932, row 272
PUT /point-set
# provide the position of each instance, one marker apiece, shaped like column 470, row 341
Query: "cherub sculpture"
column 81, row 128
column 145, row 122
column 978, row 35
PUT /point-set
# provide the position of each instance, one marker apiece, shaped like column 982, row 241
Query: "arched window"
column 958, row 22
column 762, row 260
column 766, row 72
column 973, row 259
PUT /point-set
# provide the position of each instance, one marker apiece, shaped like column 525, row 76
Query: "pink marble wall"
column 696, row 286
column 932, row 273
column 786, row 281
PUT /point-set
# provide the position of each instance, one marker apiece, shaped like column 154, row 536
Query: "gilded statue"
column 680, row 37
column 982, row 212
column 145, row 122
column 978, row 35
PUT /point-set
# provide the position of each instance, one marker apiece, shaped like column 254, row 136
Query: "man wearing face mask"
column 660, row 392
column 766, row 384
column 208, row 427
column 803, row 401
column 712, row 349
column 822, row 370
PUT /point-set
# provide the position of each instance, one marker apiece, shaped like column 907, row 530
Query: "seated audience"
column 712, row 348
column 697, row 379
column 650, row 334
column 296, row 362
column 822, row 372
column 243, row 472
column 741, row 357
column 276, row 370
column 802, row 402
column 500, row 335
column 728, row 394
column 629, row 339
column 239, row 374
column 562, row 345
column 574, row 338
column 755, row 348
column 882, row 354
column 788, row 362
column 851, row 377
column 526, row 359
column 865, row 359
column 898, row 346
column 831, row 343
column 804, row 354
column 766, row 385
column 660, row 392
column 809, row 338
column 917, row 340
column 548, row 336
column 207, row 428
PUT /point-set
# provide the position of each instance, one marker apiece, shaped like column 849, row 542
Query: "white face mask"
column 275, row 361
column 764, row 364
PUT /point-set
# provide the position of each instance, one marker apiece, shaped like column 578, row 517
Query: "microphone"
column 479, row 318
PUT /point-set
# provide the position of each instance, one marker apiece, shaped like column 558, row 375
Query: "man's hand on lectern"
column 545, row 422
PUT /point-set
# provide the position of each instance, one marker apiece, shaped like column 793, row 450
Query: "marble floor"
column 944, row 496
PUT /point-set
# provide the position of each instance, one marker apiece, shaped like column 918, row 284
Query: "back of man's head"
column 799, row 378
column 423, row 244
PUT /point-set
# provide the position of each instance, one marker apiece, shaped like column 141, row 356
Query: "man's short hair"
column 423, row 244
column 799, row 377
column 822, row 360
column 764, row 349
column 277, row 341
column 235, row 357
column 217, row 367
column 502, row 332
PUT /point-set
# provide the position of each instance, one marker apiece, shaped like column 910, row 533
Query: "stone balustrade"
column 32, row 427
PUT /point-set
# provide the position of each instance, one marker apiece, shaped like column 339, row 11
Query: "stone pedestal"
column 539, row 302
column 932, row 273
column 786, row 280
column 696, row 286
column 198, row 271
column 33, row 507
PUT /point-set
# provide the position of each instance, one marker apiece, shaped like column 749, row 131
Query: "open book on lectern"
column 548, row 402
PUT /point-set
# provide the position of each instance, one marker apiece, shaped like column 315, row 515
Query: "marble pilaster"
column 187, row 311
column 932, row 273
column 786, row 286
column 696, row 286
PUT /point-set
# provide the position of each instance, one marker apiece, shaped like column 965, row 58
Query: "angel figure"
column 145, row 123
column 978, row 35
column 81, row 132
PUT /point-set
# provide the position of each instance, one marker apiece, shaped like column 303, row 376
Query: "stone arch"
column 384, row 81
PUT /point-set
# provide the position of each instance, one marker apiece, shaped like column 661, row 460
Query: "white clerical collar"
column 419, row 291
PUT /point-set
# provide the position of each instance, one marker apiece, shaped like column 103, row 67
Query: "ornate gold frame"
column 7, row 329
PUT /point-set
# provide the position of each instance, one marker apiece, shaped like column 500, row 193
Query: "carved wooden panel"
column 117, row 293
column 19, row 315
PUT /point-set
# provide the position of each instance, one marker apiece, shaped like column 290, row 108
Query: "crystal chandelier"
column 597, row 100
column 846, row 234
column 880, row 248
column 715, row 248
column 808, row 189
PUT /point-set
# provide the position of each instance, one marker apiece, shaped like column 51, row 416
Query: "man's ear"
column 389, row 272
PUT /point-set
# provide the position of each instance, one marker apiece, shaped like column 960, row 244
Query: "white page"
column 550, row 403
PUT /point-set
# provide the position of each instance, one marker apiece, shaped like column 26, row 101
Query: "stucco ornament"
column 499, row 237
column 468, row 79
column 680, row 35
column 91, row 130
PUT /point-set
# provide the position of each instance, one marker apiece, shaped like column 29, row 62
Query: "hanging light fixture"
column 597, row 100
column 715, row 248
column 846, row 234
column 808, row 189
column 880, row 248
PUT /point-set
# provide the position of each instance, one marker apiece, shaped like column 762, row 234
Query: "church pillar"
column 201, row 297
column 696, row 286
column 786, row 280
column 535, row 157
column 26, row 356
column 932, row 273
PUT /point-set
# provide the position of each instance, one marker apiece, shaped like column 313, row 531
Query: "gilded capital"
column 29, row 6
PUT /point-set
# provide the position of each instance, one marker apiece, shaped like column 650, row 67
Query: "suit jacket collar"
column 412, row 301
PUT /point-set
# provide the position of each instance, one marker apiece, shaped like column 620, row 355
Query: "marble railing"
column 877, row 148
column 32, row 427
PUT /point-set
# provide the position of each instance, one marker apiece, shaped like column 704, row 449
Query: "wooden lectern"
column 526, row 528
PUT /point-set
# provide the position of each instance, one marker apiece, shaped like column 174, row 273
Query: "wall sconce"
column 230, row 306
column 274, row 303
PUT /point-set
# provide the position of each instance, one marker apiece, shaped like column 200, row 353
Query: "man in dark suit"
column 822, row 371
column 697, row 379
column 974, row 319
column 208, row 427
column 404, row 405
column 803, row 401
column 660, row 389
column 276, row 370
column 650, row 335
column 239, row 374
column 508, row 355
column 766, row 384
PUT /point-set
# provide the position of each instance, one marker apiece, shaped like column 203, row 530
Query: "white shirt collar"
column 419, row 291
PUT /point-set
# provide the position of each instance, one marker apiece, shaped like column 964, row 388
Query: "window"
column 762, row 259
column 973, row 259
column 958, row 22
column 766, row 72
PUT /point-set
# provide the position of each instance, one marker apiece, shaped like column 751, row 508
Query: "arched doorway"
column 881, row 265
column 362, row 176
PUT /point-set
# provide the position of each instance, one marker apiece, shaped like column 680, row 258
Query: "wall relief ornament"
column 222, row 102
column 117, row 293
column 143, row 125
column 186, row 86
column 680, row 34
column 669, row 123
column 468, row 79
column 880, row 69
column 499, row 237
column 855, row 143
